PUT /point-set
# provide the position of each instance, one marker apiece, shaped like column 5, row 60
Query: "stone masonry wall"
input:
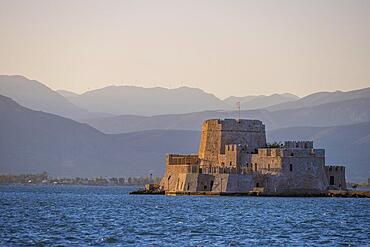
column 336, row 176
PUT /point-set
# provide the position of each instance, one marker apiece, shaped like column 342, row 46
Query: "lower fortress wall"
column 304, row 181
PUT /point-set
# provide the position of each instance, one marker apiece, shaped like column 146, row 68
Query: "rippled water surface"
column 108, row 216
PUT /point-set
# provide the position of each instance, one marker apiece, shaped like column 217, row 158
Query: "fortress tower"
column 216, row 134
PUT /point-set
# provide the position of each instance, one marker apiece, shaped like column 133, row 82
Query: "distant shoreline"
column 92, row 185
column 43, row 178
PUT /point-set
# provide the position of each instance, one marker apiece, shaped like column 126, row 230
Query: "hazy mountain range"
column 146, row 101
column 37, row 96
column 329, row 114
column 123, row 100
column 33, row 141
column 261, row 101
column 320, row 98
column 36, row 141
column 131, row 100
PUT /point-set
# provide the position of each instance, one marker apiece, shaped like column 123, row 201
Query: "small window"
column 268, row 167
column 291, row 154
column 255, row 167
column 257, row 185
column 291, row 167
column 231, row 163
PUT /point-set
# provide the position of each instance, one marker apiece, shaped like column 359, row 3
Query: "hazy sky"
column 224, row 47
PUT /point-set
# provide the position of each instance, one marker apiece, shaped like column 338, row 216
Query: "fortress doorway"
column 331, row 182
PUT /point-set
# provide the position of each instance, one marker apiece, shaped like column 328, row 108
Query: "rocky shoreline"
column 332, row 193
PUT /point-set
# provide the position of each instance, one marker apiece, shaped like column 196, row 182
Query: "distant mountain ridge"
column 322, row 98
column 329, row 114
column 147, row 101
column 131, row 100
column 261, row 101
column 67, row 94
column 37, row 96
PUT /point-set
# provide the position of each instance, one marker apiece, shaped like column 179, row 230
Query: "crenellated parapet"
column 182, row 163
column 299, row 144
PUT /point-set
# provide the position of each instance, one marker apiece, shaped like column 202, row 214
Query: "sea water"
column 109, row 216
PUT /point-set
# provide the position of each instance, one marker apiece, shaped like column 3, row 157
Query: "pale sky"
column 223, row 47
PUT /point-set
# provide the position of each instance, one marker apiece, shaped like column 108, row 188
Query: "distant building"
column 233, row 157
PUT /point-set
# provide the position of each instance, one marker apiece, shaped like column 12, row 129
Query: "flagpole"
column 238, row 105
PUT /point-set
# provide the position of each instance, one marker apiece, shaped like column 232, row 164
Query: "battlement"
column 180, row 163
column 290, row 152
column 235, row 147
column 241, row 125
column 298, row 144
column 182, row 159
column 335, row 168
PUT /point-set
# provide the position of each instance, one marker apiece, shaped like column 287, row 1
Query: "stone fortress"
column 234, row 158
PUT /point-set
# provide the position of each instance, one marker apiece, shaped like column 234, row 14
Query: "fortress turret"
column 217, row 134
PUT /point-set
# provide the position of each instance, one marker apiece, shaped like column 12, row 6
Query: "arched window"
column 291, row 167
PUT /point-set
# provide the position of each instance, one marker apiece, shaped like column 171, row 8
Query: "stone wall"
column 233, row 183
column 289, row 170
column 176, row 165
column 336, row 176
column 210, row 142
